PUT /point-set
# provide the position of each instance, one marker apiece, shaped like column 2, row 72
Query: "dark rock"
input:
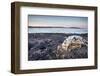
column 43, row 46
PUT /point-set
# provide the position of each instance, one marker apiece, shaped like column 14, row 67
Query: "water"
column 57, row 30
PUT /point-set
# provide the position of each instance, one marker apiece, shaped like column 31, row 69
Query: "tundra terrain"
column 43, row 46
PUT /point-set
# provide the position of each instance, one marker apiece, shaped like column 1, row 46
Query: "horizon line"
column 54, row 27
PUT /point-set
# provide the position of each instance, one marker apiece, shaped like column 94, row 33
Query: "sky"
column 57, row 21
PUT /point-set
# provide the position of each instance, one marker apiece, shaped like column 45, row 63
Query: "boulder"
column 70, row 43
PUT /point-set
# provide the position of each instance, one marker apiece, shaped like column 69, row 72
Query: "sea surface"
column 57, row 30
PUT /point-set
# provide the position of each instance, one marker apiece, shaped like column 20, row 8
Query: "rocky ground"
column 43, row 46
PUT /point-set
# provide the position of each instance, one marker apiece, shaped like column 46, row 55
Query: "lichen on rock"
column 70, row 43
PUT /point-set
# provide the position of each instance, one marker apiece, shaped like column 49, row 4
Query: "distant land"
column 54, row 27
column 75, row 27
